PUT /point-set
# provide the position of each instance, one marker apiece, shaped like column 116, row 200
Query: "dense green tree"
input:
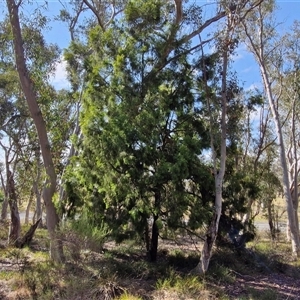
column 142, row 137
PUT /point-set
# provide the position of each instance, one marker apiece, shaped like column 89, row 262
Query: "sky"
column 248, row 72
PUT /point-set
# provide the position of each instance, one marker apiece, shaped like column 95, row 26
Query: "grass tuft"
column 187, row 285
column 127, row 296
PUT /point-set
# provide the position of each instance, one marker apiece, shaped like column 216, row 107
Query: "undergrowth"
column 122, row 272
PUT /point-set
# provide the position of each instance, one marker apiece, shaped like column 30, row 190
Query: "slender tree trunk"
column 38, row 200
column 212, row 231
column 39, row 211
column 4, row 209
column 15, row 225
column 36, row 114
column 27, row 238
column 36, row 190
column 288, row 231
column 155, row 230
column 5, row 202
column 258, row 49
column 28, row 207
column 146, row 234
column 154, row 241
column 294, row 165
column 34, row 217
column 286, row 184
column 270, row 219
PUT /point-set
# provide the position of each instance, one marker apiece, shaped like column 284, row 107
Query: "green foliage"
column 91, row 232
column 142, row 137
column 222, row 274
column 15, row 123
column 143, row 13
column 1, row 196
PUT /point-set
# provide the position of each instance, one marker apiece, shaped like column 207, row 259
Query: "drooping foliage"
column 140, row 160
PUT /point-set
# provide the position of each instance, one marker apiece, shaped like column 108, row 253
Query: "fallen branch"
column 27, row 238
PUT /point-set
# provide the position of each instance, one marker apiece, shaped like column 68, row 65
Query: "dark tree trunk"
column 147, row 237
column 4, row 209
column 15, row 226
column 39, row 210
column 155, row 230
column 27, row 238
column 270, row 220
column 4, row 188
column 154, row 241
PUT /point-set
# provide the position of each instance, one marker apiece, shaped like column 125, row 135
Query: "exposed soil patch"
column 285, row 287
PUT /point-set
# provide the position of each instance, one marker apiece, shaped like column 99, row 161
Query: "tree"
column 31, row 96
column 289, row 87
column 259, row 139
column 10, row 192
column 148, row 135
column 261, row 38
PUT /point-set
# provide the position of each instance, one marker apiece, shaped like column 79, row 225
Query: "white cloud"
column 253, row 87
column 239, row 53
column 59, row 78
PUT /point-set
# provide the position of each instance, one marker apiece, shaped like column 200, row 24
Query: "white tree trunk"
column 257, row 44
column 286, row 184
column 28, row 207
column 212, row 230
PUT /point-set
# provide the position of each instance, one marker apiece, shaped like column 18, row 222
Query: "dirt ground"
column 286, row 287
column 283, row 281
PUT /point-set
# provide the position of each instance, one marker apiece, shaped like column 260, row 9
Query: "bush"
column 82, row 231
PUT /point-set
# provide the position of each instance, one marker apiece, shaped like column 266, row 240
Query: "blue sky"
column 246, row 67
column 248, row 73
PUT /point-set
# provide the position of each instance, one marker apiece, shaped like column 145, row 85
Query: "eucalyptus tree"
column 266, row 46
column 12, row 134
column 8, row 185
column 258, row 139
column 27, row 79
column 271, row 187
column 9, row 112
column 290, row 92
column 222, row 113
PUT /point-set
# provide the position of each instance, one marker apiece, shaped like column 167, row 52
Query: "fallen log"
column 27, row 238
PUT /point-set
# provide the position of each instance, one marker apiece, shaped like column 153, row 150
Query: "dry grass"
column 122, row 272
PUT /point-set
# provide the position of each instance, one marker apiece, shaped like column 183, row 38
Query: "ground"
column 263, row 271
column 286, row 287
